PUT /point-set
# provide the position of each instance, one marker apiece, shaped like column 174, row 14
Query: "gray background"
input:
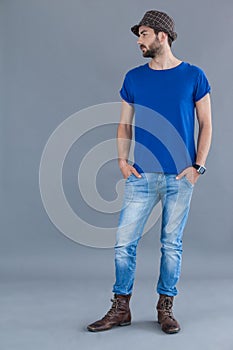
column 58, row 57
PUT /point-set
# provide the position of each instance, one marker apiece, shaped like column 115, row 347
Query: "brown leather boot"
column 165, row 316
column 118, row 315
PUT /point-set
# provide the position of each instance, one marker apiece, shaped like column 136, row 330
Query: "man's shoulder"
column 140, row 69
column 136, row 70
column 192, row 68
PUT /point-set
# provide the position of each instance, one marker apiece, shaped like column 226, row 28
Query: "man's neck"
column 164, row 62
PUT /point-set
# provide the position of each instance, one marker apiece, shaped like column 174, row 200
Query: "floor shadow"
column 151, row 326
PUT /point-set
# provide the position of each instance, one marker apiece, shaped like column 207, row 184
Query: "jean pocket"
column 133, row 177
column 187, row 181
column 129, row 177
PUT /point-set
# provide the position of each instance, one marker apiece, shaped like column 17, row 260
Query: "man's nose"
column 139, row 41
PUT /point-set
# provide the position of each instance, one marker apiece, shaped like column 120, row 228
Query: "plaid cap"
column 157, row 20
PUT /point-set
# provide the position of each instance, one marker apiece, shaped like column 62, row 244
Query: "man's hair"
column 169, row 39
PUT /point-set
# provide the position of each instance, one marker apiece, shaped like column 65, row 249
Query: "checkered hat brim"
column 157, row 20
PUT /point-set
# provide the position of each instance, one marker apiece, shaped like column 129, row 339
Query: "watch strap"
column 200, row 168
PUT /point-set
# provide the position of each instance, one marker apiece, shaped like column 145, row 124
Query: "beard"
column 152, row 51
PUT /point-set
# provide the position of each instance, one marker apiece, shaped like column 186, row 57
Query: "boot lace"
column 167, row 308
column 112, row 311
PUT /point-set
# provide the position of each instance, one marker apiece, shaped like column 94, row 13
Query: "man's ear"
column 162, row 37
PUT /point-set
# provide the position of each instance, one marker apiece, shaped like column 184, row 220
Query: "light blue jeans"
column 140, row 196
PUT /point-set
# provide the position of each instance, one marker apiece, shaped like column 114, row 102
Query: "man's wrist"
column 201, row 169
column 122, row 163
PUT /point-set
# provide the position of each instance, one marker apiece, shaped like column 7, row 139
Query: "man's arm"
column 124, row 137
column 203, row 112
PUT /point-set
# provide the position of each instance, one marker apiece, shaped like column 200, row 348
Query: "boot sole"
column 125, row 324
column 171, row 332
column 107, row 329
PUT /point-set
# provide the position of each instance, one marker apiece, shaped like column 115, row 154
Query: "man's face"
column 149, row 42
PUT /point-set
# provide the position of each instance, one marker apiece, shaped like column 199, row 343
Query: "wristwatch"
column 200, row 168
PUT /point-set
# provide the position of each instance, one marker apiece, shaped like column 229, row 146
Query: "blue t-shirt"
column 164, row 121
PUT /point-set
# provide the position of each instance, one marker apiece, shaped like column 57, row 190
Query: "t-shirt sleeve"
column 202, row 86
column 126, row 91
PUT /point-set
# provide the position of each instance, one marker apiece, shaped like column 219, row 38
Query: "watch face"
column 201, row 170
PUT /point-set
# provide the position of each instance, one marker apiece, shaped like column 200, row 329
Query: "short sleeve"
column 202, row 86
column 126, row 92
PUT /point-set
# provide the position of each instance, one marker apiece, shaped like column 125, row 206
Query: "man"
column 163, row 95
